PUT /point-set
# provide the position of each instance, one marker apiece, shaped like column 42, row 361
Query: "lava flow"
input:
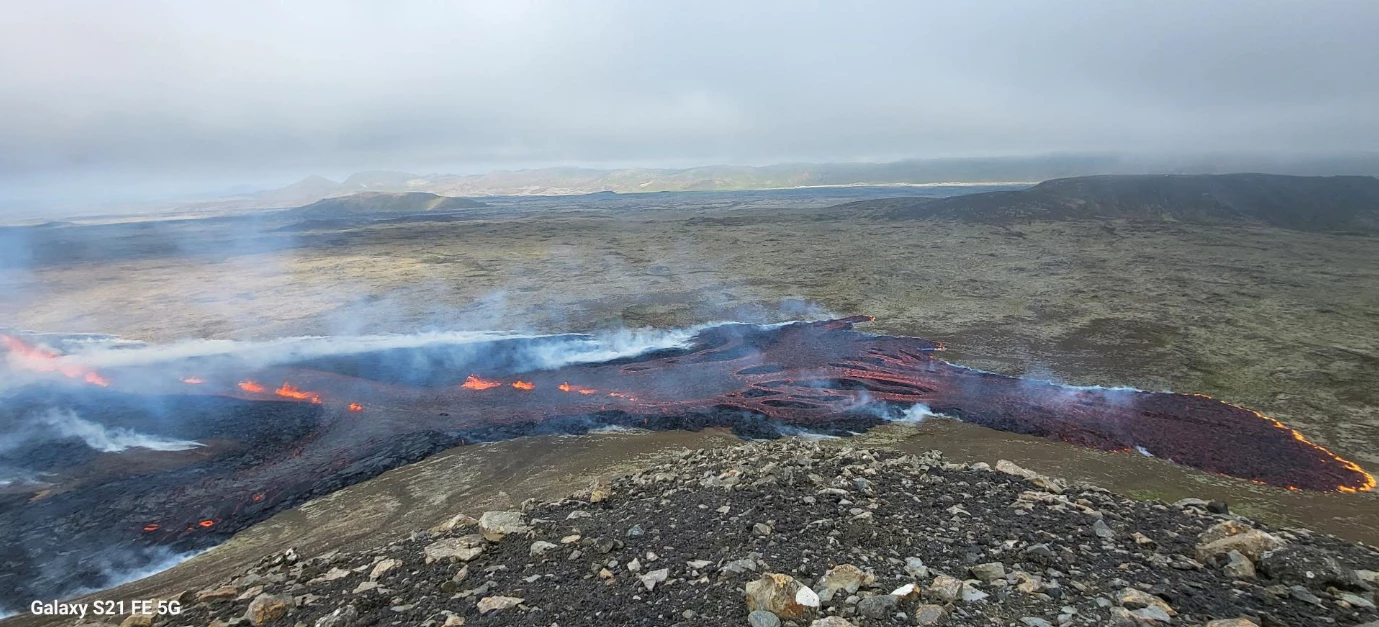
column 26, row 356
column 819, row 376
column 290, row 391
column 475, row 383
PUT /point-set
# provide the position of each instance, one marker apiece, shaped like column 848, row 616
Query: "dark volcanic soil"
column 676, row 544
column 1305, row 203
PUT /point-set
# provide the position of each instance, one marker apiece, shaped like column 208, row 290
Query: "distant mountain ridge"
column 379, row 203
column 572, row 181
column 383, row 202
column 1303, row 203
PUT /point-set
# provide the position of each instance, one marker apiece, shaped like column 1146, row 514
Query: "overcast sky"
column 182, row 95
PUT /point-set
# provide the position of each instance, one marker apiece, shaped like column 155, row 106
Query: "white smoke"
column 154, row 560
column 268, row 352
column 18, row 476
column 915, row 414
column 791, row 431
column 67, row 424
column 571, row 349
column 611, row 429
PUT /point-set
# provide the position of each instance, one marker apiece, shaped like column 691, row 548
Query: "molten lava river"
column 225, row 440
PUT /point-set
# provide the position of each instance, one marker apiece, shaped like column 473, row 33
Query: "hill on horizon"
column 382, row 202
column 561, row 181
column 1303, row 203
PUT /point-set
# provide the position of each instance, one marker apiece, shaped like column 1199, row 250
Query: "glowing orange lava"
column 566, row 387
column 206, row 524
column 621, row 395
column 151, row 527
column 524, row 385
column 39, row 359
column 356, row 407
column 290, row 391
column 192, row 381
column 251, row 387
column 475, row 383
column 1367, row 481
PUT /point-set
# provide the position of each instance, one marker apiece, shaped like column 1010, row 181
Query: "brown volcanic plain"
column 1281, row 320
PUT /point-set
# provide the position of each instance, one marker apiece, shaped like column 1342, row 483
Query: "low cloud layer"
column 178, row 96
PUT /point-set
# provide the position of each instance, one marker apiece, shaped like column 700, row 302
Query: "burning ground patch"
column 307, row 428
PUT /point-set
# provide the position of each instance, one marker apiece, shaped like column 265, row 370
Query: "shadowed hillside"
column 383, row 202
column 1304, row 203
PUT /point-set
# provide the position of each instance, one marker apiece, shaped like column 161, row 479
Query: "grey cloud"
column 159, row 92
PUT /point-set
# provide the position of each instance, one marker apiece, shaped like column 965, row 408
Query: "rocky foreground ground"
column 796, row 533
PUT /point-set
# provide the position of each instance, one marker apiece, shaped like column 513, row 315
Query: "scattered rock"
column 1357, row 600
column 463, row 548
column 458, row 521
column 1238, row 566
column 878, row 607
column 1032, row 555
column 654, row 577
column 1303, row 594
column 762, row 618
column 498, row 603
column 929, row 615
column 738, row 567
column 1232, row 622
column 266, row 608
column 841, row 578
column 496, row 525
column 341, row 617
column 971, row 593
column 225, row 593
column 1121, row 617
column 783, row 596
column 1308, row 566
column 383, row 566
column 599, row 491
column 1011, row 468
column 945, row 588
column 1251, row 543
column 989, row 571
column 831, row 621
column 1040, row 554
column 1134, row 598
column 1223, row 529
column 1152, row 614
